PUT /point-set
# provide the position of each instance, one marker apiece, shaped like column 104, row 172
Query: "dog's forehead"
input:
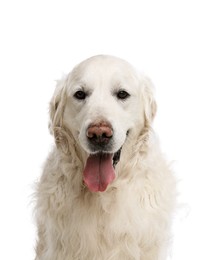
column 106, row 69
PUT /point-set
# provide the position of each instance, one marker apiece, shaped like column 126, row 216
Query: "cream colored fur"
column 131, row 219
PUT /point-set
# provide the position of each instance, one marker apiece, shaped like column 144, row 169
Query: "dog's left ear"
column 149, row 103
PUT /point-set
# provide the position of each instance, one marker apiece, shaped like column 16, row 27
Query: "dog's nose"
column 100, row 133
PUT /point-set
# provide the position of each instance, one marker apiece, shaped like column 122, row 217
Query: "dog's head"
column 100, row 103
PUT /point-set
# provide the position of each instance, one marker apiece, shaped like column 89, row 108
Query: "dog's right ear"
column 62, row 135
column 57, row 105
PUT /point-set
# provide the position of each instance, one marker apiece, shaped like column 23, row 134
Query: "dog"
column 106, row 192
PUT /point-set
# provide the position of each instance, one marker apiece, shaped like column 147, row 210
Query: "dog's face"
column 103, row 95
column 104, row 101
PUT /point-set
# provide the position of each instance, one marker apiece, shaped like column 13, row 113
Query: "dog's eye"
column 122, row 94
column 80, row 95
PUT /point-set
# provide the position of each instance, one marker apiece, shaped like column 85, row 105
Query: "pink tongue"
column 99, row 172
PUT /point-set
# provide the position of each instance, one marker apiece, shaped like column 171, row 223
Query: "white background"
column 40, row 40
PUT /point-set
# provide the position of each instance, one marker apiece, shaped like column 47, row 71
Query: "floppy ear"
column 57, row 104
column 149, row 111
column 149, row 103
column 56, row 127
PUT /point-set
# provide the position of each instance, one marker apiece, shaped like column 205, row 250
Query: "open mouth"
column 116, row 157
column 99, row 170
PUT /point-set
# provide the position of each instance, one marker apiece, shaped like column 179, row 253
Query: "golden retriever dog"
column 106, row 192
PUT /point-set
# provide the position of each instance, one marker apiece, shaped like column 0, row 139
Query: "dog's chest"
column 97, row 223
column 100, row 215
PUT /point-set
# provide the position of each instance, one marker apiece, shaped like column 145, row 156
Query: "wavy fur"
column 131, row 219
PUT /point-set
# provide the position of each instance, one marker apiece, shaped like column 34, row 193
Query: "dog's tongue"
column 99, row 172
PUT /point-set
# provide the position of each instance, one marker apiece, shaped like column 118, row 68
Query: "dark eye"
column 80, row 95
column 122, row 94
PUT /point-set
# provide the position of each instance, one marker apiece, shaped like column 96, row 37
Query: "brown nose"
column 100, row 132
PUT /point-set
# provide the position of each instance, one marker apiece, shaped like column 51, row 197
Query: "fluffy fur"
column 131, row 218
